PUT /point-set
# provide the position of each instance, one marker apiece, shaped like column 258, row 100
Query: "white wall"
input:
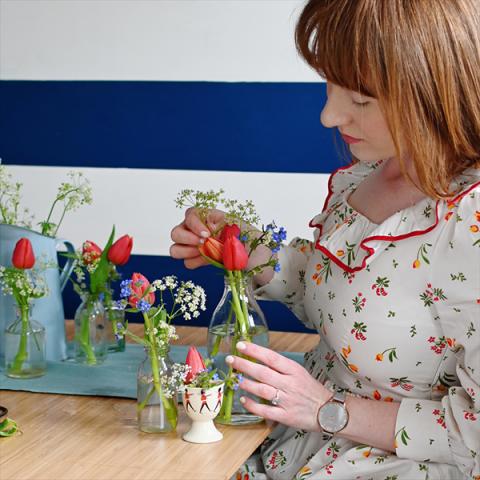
column 215, row 40
column 179, row 40
column 141, row 202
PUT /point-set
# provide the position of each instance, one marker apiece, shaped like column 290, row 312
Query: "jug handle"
column 69, row 264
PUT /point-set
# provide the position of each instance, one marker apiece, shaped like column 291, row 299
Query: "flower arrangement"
column 198, row 375
column 175, row 299
column 73, row 193
column 229, row 248
column 202, row 397
column 94, row 271
column 24, row 284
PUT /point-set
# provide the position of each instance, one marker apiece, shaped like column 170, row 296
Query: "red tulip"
column 23, row 256
column 119, row 252
column 138, row 287
column 195, row 361
column 229, row 231
column 90, row 252
column 213, row 249
column 235, row 255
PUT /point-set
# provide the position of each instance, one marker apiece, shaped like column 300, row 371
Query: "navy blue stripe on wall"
column 268, row 127
column 210, row 278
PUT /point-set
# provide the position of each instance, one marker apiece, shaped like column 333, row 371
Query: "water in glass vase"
column 228, row 326
column 25, row 355
column 156, row 409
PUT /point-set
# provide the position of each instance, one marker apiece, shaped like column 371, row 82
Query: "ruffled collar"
column 352, row 241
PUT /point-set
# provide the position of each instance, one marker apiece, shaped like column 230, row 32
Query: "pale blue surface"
column 116, row 377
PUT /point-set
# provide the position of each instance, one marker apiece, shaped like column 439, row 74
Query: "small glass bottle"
column 225, row 330
column 90, row 345
column 115, row 321
column 157, row 410
column 25, row 354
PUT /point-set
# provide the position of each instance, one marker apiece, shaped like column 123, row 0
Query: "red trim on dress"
column 387, row 238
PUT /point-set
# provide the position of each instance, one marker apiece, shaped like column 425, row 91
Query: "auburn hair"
column 421, row 60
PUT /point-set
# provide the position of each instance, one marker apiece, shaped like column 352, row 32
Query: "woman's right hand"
column 192, row 232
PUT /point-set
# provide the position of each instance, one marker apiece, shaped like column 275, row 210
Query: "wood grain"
column 69, row 437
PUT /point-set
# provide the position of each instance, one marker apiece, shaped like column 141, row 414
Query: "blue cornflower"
column 277, row 268
column 125, row 283
column 283, row 233
column 143, row 306
column 215, row 377
column 244, row 238
column 275, row 249
column 125, row 292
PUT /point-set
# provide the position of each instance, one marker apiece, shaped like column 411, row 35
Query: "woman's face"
column 360, row 122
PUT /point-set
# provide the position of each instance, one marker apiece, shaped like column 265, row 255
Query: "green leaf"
column 99, row 277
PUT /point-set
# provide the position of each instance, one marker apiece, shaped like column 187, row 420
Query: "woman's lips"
column 348, row 139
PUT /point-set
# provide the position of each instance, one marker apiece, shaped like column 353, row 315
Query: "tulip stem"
column 83, row 338
column 22, row 354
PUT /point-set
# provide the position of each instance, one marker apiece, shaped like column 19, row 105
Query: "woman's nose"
column 333, row 115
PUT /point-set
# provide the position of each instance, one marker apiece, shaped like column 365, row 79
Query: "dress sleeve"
column 448, row 430
column 288, row 285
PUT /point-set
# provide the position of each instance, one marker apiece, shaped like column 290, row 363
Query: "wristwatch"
column 333, row 415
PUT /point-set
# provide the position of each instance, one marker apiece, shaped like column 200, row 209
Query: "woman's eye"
column 360, row 104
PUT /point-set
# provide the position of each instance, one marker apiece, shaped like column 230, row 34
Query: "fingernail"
column 241, row 346
column 204, row 234
column 229, row 359
column 201, row 241
column 242, row 400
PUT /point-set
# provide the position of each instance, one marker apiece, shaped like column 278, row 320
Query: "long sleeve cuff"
column 421, row 433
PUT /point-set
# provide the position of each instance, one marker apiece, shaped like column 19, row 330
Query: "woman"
column 392, row 278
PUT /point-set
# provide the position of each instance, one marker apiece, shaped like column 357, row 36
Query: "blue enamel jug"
column 47, row 310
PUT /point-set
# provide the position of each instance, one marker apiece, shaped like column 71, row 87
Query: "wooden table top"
column 66, row 437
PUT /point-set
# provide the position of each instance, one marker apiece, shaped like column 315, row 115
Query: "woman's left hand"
column 297, row 395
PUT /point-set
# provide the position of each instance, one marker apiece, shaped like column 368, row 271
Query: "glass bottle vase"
column 115, row 319
column 25, row 354
column 90, row 345
column 157, row 410
column 237, row 317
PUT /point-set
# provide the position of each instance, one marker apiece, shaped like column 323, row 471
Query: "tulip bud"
column 138, row 287
column 23, row 256
column 119, row 252
column 229, row 231
column 235, row 255
column 213, row 249
column 90, row 252
column 195, row 361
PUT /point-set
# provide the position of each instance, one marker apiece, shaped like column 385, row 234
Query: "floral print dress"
column 397, row 307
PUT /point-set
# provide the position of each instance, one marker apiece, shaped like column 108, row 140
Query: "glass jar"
column 90, row 345
column 115, row 317
column 25, row 354
column 237, row 317
column 157, row 410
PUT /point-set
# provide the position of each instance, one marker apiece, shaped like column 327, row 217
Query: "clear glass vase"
column 157, row 410
column 90, row 343
column 237, row 317
column 25, row 354
column 115, row 317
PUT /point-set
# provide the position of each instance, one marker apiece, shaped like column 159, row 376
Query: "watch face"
column 332, row 417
